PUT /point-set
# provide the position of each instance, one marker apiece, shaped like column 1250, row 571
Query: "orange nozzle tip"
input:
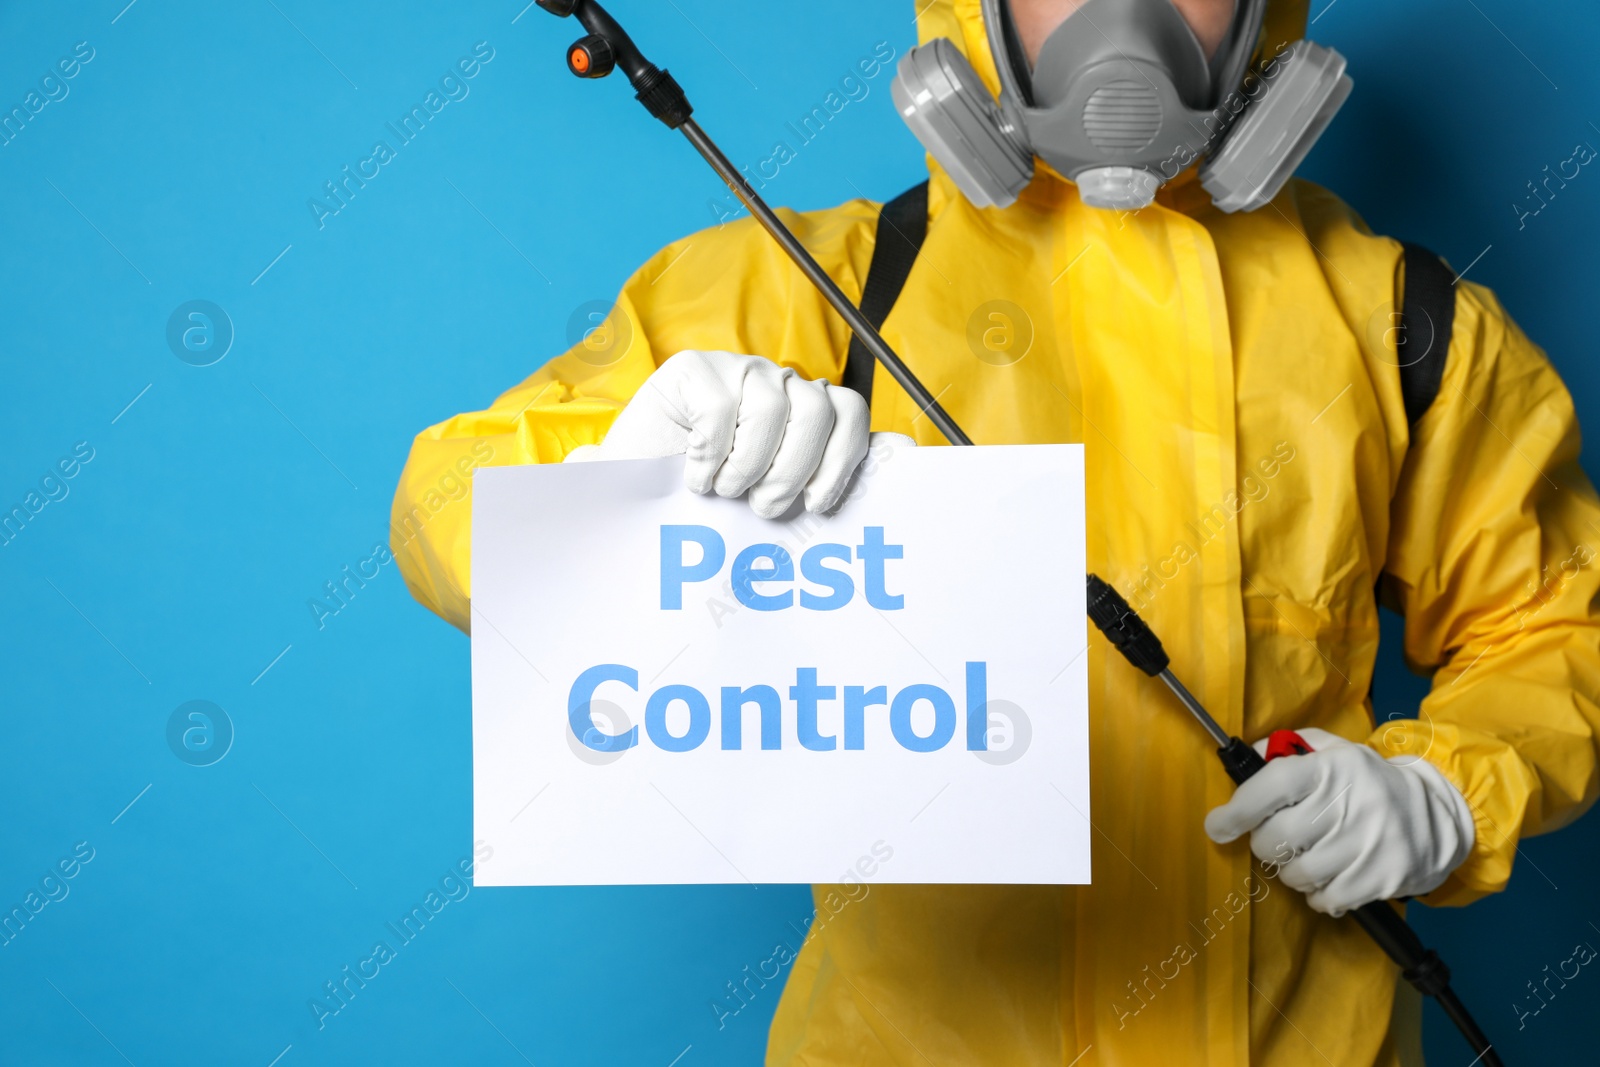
column 579, row 60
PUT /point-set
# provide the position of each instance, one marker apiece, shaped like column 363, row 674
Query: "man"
column 1252, row 476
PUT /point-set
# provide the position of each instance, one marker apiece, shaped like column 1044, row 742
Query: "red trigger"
column 1286, row 743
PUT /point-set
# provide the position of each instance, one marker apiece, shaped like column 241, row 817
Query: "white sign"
column 668, row 689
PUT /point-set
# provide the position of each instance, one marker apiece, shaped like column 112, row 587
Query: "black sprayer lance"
column 1419, row 965
column 606, row 47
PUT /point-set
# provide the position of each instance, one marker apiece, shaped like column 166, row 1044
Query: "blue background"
column 180, row 565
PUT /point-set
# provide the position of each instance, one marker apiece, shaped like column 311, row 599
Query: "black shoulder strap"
column 902, row 225
column 1427, row 316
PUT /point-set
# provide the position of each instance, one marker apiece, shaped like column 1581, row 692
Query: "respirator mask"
column 1121, row 100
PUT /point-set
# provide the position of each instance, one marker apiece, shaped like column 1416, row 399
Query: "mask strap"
column 1005, row 47
column 1236, row 50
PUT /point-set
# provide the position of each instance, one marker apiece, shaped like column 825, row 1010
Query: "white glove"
column 745, row 424
column 1358, row 827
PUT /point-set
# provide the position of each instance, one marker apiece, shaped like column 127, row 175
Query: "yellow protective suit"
column 1251, row 474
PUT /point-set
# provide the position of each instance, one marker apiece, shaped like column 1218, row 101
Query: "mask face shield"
column 1122, row 99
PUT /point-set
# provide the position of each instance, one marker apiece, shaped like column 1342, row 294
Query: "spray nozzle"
column 607, row 46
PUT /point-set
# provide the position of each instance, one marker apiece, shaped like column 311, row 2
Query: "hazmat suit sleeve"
column 728, row 288
column 1492, row 558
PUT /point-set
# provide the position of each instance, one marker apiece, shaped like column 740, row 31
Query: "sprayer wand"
column 606, row 47
column 1419, row 965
